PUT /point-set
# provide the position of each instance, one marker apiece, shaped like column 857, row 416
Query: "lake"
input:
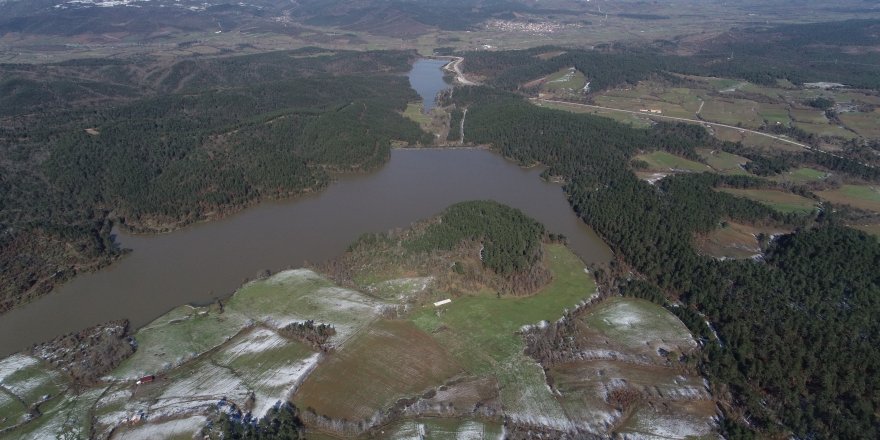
column 426, row 78
column 206, row 261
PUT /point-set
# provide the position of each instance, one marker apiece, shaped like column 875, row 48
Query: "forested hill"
column 158, row 146
column 797, row 344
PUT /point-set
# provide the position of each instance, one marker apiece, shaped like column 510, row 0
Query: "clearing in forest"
column 663, row 161
column 414, row 112
column 779, row 200
column 624, row 359
column 565, row 80
column 865, row 197
column 732, row 240
column 801, row 175
column 724, row 162
column 872, row 229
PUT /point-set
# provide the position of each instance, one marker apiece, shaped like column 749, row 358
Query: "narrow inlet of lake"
column 426, row 78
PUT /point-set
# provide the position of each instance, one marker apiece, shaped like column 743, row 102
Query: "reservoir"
column 206, row 261
column 426, row 78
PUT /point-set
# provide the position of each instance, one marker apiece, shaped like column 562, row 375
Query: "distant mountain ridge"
column 143, row 17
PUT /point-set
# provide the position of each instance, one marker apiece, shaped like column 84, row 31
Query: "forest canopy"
column 796, row 342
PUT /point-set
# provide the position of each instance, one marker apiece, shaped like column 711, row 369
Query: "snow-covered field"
column 171, row 428
column 531, row 401
column 401, row 289
column 464, row 429
column 234, row 353
column 300, row 295
column 639, row 327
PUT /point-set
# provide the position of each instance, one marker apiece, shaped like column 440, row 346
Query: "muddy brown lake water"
column 209, row 260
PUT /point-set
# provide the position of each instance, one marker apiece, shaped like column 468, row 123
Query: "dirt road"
column 455, row 67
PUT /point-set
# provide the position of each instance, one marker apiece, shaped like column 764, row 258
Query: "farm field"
column 567, row 80
column 300, row 295
column 435, row 428
column 742, row 104
column 676, row 419
column 774, row 114
column 724, row 162
column 801, row 175
column 626, row 118
column 638, row 104
column 480, row 332
column 387, row 361
column 622, row 362
column 635, row 327
column 865, row 124
column 778, row 200
column 873, row 229
column 27, row 382
column 732, row 240
column 663, row 161
column 809, row 116
column 826, row 129
column 860, row 196
column 732, row 112
column 200, row 356
column 753, row 139
column 468, row 352
column 414, row 112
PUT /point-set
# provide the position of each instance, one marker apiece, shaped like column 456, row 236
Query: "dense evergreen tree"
column 797, row 345
column 511, row 240
column 162, row 146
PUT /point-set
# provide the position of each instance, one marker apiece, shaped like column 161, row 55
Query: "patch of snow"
column 208, row 382
column 257, row 341
column 653, row 424
column 171, row 428
column 404, row 286
column 100, row 3
column 824, row 85
column 289, row 377
column 623, row 314
column 654, row 178
column 293, row 276
column 12, row 364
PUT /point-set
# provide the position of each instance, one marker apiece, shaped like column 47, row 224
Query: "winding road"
column 455, row 67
